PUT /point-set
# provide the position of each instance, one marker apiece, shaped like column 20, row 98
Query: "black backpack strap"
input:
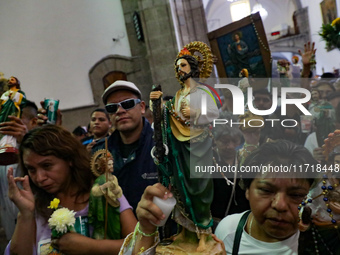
column 239, row 231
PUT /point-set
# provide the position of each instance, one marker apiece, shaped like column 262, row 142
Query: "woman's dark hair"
column 281, row 152
column 56, row 141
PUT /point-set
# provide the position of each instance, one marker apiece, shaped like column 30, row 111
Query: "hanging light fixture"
column 258, row 8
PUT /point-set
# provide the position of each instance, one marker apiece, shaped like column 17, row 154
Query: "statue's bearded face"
column 183, row 69
column 315, row 95
column 12, row 82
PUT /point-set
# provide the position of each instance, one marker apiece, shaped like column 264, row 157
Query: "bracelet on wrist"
column 249, row 145
column 138, row 230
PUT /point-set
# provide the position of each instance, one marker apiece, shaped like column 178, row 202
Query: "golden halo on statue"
column 96, row 166
column 205, row 64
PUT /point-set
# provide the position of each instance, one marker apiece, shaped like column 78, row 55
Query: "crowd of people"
column 113, row 197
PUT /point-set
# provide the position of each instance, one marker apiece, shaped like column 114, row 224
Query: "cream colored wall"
column 50, row 45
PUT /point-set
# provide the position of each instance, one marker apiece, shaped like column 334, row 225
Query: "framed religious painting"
column 328, row 11
column 242, row 44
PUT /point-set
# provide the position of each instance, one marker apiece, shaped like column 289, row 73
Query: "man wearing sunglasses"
column 131, row 142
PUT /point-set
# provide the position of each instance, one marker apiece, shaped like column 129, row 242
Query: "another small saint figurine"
column 243, row 83
column 283, row 68
column 104, row 214
column 11, row 103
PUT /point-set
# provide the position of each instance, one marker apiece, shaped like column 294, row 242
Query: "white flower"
column 61, row 219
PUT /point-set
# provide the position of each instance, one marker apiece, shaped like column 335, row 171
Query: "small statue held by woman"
column 104, row 205
column 11, row 103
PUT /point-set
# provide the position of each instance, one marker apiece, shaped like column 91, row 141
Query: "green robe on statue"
column 12, row 101
column 191, row 147
column 97, row 215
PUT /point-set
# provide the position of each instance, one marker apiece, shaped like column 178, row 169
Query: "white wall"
column 50, row 45
column 324, row 59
